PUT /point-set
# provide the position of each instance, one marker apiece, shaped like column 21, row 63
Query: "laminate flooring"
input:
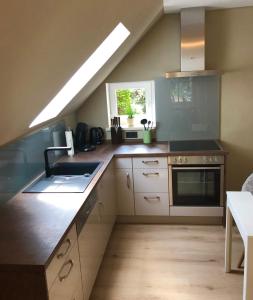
column 168, row 262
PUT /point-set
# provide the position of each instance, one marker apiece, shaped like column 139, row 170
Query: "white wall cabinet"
column 124, row 186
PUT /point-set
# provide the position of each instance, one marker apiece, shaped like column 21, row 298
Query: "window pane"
column 131, row 101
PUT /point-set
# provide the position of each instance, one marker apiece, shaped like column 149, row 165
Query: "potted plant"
column 130, row 118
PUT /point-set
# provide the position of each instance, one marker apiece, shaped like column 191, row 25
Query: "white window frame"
column 149, row 87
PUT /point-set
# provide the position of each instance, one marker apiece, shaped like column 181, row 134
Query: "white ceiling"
column 171, row 6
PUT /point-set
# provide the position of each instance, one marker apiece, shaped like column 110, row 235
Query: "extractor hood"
column 192, row 44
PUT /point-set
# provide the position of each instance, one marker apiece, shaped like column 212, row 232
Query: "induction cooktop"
column 194, row 145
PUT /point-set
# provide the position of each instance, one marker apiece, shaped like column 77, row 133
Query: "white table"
column 240, row 208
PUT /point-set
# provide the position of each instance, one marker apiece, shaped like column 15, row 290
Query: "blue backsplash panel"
column 188, row 108
column 23, row 160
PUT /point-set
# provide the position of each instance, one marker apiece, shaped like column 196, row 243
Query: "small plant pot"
column 147, row 137
column 130, row 122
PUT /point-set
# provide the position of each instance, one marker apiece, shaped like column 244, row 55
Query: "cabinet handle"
column 71, row 264
column 128, row 180
column 151, row 174
column 68, row 242
column 150, row 162
column 152, row 198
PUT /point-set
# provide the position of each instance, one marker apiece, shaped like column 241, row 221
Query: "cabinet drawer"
column 152, row 204
column 60, row 256
column 150, row 180
column 68, row 278
column 150, row 162
column 123, row 163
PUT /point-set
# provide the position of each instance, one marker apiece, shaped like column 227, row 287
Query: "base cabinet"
column 95, row 233
column 89, row 250
column 68, row 278
column 151, row 204
column 124, row 186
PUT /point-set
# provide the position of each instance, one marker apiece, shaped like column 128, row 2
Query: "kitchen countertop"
column 32, row 225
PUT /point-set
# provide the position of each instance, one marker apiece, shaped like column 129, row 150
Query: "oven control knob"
column 205, row 159
column 175, row 160
column 216, row 159
column 185, row 159
column 180, row 160
column 211, row 159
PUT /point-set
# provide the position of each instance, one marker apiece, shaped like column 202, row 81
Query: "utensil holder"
column 147, row 137
column 116, row 135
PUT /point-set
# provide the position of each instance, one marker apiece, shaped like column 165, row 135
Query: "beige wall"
column 44, row 42
column 155, row 54
column 229, row 49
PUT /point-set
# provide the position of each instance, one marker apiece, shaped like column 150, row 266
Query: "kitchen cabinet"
column 106, row 197
column 89, row 250
column 68, row 278
column 60, row 256
column 96, row 230
column 154, row 204
column 151, row 186
column 124, row 186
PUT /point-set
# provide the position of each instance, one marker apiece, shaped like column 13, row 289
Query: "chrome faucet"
column 47, row 166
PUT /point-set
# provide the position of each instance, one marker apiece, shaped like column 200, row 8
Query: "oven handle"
column 196, row 168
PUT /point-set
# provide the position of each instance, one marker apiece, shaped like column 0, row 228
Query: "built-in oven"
column 196, row 180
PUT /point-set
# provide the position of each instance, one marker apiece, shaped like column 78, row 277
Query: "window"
column 83, row 75
column 131, row 101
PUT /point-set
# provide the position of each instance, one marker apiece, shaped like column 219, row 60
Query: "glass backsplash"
column 23, row 160
column 188, row 108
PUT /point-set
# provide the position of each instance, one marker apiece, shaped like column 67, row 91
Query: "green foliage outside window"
column 131, row 102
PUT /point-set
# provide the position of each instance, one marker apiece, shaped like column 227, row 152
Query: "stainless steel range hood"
column 192, row 44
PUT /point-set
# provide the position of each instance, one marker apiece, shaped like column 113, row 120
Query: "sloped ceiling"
column 44, row 42
column 172, row 6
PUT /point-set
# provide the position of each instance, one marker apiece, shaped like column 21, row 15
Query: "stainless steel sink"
column 66, row 178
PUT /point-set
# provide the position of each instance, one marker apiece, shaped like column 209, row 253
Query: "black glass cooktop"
column 203, row 145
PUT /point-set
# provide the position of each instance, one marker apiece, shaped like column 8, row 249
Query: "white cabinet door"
column 125, row 194
column 123, row 163
column 60, row 256
column 151, row 180
column 68, row 277
column 89, row 250
column 95, row 233
column 106, row 197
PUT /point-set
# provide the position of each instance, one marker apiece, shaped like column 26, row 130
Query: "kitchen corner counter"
column 32, row 225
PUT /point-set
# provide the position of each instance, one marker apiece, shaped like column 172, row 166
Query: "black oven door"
column 196, row 185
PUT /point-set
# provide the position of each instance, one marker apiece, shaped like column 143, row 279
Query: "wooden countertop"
column 32, row 225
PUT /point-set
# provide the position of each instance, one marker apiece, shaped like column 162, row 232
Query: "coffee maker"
column 96, row 135
column 82, row 138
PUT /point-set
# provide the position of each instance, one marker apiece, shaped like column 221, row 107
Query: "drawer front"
column 150, row 180
column 78, row 295
column 68, row 278
column 123, row 163
column 150, row 162
column 60, row 256
column 152, row 204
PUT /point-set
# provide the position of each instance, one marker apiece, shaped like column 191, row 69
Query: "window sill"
column 130, row 128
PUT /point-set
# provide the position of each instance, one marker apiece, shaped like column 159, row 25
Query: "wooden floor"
column 168, row 262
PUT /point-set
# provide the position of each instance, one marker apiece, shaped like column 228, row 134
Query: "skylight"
column 83, row 75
